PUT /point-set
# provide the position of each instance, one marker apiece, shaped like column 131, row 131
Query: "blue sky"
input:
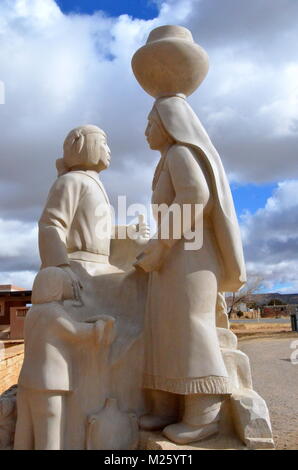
column 247, row 197
column 250, row 197
column 55, row 62
column 144, row 9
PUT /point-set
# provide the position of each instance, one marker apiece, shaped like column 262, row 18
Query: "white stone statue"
column 111, row 429
column 78, row 209
column 124, row 330
column 48, row 375
column 183, row 359
column 184, row 283
column 76, row 235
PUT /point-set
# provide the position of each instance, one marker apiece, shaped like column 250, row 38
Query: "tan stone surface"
column 48, row 374
column 238, row 367
column 227, row 339
column 251, row 419
column 186, row 287
column 186, row 357
column 68, row 374
column 244, row 425
column 157, row 65
column 156, row 441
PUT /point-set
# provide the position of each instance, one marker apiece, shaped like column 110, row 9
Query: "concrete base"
column 156, row 441
column 244, row 425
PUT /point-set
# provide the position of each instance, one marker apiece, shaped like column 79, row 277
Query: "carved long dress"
column 182, row 349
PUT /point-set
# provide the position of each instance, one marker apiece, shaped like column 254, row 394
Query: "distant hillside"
column 264, row 299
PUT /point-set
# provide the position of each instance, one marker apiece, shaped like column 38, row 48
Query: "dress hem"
column 211, row 385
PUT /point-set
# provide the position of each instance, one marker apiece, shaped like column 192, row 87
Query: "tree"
column 252, row 285
column 252, row 305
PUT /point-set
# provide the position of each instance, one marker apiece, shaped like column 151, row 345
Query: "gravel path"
column 275, row 378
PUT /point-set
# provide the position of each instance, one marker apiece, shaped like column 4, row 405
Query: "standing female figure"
column 183, row 357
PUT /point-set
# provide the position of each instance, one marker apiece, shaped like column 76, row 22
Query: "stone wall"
column 11, row 359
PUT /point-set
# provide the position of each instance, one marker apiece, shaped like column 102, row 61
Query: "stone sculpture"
column 138, row 329
column 182, row 350
column 47, row 376
column 7, row 418
column 111, row 429
column 76, row 235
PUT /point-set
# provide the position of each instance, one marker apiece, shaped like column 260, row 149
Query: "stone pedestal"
column 245, row 425
column 156, row 441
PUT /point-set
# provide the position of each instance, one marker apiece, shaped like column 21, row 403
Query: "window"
column 21, row 312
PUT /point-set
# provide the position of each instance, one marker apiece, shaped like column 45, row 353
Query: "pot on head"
column 170, row 62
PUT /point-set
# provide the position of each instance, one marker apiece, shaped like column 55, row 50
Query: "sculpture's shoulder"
column 189, row 171
column 72, row 178
column 181, row 155
column 72, row 183
column 180, row 152
column 43, row 313
column 178, row 149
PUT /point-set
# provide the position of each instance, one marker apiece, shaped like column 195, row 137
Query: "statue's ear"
column 79, row 142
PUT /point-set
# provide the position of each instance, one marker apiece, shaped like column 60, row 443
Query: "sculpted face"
column 86, row 148
column 104, row 153
column 155, row 135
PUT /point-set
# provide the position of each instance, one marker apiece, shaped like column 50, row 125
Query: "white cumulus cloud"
column 271, row 238
column 62, row 70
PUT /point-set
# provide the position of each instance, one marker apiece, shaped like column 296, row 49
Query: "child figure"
column 46, row 377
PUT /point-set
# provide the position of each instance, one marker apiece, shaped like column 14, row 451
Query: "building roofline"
column 17, row 293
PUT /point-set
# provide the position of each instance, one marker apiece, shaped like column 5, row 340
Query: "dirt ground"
column 262, row 330
column 275, row 378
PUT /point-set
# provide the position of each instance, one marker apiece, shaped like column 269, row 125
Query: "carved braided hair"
column 80, row 145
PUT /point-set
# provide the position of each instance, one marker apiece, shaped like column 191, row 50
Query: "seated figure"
column 47, row 376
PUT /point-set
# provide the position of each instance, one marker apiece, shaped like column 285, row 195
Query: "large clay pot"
column 170, row 63
column 111, row 429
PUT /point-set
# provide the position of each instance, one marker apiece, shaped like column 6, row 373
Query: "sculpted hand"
column 139, row 232
column 76, row 283
column 153, row 256
column 105, row 331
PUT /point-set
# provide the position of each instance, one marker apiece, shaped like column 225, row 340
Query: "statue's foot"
column 155, row 422
column 182, row 433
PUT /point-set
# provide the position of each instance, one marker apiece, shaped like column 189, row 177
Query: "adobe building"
column 278, row 311
column 14, row 305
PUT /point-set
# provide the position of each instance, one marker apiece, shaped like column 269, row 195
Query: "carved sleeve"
column 72, row 330
column 56, row 220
